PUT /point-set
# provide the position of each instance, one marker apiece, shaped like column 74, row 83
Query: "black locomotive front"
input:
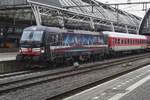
column 32, row 44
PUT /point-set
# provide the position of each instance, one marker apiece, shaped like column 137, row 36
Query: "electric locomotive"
column 56, row 45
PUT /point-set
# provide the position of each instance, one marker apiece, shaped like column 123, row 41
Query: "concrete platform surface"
column 132, row 86
column 7, row 56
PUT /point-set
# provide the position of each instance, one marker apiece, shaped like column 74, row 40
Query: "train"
column 57, row 45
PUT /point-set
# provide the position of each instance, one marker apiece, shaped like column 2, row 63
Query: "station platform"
column 7, row 56
column 8, row 50
column 132, row 86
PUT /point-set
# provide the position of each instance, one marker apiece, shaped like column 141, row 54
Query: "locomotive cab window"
column 32, row 36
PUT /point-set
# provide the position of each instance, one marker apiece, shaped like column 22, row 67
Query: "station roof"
column 145, row 24
column 98, row 9
column 108, row 16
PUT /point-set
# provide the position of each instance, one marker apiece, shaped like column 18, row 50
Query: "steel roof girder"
column 47, row 10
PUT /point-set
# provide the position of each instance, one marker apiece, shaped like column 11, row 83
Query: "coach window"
column 118, row 42
column 130, row 41
column 125, row 42
column 139, row 41
column 113, row 41
column 121, row 41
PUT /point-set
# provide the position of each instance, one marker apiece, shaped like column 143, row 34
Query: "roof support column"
column 92, row 23
column 36, row 12
column 112, row 27
column 137, row 30
column 61, row 21
column 127, row 31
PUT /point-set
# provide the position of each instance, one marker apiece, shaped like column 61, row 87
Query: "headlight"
column 42, row 51
column 20, row 50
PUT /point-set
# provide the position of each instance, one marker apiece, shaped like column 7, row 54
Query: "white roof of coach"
column 123, row 35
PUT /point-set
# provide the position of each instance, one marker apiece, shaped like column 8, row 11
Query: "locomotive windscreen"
column 32, row 36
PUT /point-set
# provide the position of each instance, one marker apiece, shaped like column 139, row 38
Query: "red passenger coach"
column 148, row 42
column 125, row 42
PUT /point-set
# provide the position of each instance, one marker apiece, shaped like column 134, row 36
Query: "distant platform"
column 8, row 56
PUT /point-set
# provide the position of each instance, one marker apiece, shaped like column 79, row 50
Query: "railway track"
column 19, row 73
column 16, row 84
column 14, row 74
